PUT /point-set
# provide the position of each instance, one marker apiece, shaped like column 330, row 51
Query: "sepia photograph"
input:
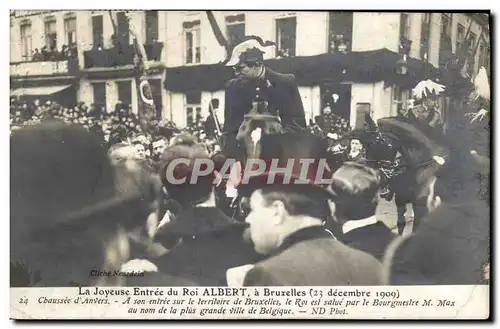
column 250, row 164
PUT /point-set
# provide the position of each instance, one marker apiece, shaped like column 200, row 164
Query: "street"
column 386, row 211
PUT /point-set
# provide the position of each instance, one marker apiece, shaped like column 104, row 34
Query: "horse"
column 423, row 150
column 256, row 123
column 405, row 157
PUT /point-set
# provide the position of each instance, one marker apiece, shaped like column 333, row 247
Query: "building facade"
column 352, row 59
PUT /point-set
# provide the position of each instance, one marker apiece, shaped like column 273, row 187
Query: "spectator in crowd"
column 66, row 216
column 355, row 187
column 159, row 144
column 355, row 151
column 204, row 232
column 36, row 55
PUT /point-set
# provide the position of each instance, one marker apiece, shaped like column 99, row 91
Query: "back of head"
column 355, row 187
column 58, row 174
column 55, row 169
column 172, row 167
column 120, row 152
column 184, row 139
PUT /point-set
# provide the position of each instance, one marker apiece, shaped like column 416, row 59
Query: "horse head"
column 258, row 122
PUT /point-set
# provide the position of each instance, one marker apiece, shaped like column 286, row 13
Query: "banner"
column 184, row 303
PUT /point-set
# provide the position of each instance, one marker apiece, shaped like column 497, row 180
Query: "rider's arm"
column 230, row 105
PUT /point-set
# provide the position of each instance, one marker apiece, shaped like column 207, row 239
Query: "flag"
column 146, row 105
column 145, row 102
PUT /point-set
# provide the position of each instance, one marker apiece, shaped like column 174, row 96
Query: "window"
column 97, row 32
column 123, row 30
column 404, row 34
column 446, row 23
column 26, row 41
column 193, row 107
column 51, row 35
column 445, row 44
column 404, row 25
column 286, row 36
column 339, row 31
column 192, row 39
column 125, row 92
column 471, row 42
column 235, row 29
column 487, row 59
column 151, row 26
column 482, row 55
column 70, row 31
column 361, row 110
column 400, row 99
column 460, row 37
column 100, row 94
column 426, row 34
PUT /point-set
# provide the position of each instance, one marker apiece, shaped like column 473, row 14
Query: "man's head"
column 327, row 110
column 247, row 59
column 250, row 70
column 356, row 145
column 140, row 149
column 278, row 211
column 356, row 187
column 186, row 193
column 159, row 144
column 64, row 203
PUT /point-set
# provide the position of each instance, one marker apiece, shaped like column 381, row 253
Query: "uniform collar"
column 355, row 224
column 308, row 233
column 201, row 220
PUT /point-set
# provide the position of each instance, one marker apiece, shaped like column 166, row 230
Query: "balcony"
column 120, row 56
column 67, row 67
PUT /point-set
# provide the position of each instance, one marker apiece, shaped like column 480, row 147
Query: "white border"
column 254, row 4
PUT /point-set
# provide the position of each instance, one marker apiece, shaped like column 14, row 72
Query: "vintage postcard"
column 249, row 164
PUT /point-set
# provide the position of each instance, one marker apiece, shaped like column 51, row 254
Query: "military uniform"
column 278, row 90
column 279, row 93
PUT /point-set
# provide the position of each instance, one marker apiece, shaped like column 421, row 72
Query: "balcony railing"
column 44, row 68
column 120, row 56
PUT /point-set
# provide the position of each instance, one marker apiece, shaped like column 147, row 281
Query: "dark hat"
column 291, row 148
column 62, row 174
column 185, row 192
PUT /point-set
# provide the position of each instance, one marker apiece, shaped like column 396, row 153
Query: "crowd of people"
column 116, row 127
column 114, row 208
column 122, row 125
column 46, row 54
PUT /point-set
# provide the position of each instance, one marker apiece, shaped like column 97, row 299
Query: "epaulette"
column 234, row 82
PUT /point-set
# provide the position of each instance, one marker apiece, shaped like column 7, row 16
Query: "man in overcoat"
column 287, row 223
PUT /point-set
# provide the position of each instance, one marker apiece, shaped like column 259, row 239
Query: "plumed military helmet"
column 426, row 89
column 251, row 50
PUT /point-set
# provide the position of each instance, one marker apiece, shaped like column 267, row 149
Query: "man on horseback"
column 255, row 83
column 425, row 124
